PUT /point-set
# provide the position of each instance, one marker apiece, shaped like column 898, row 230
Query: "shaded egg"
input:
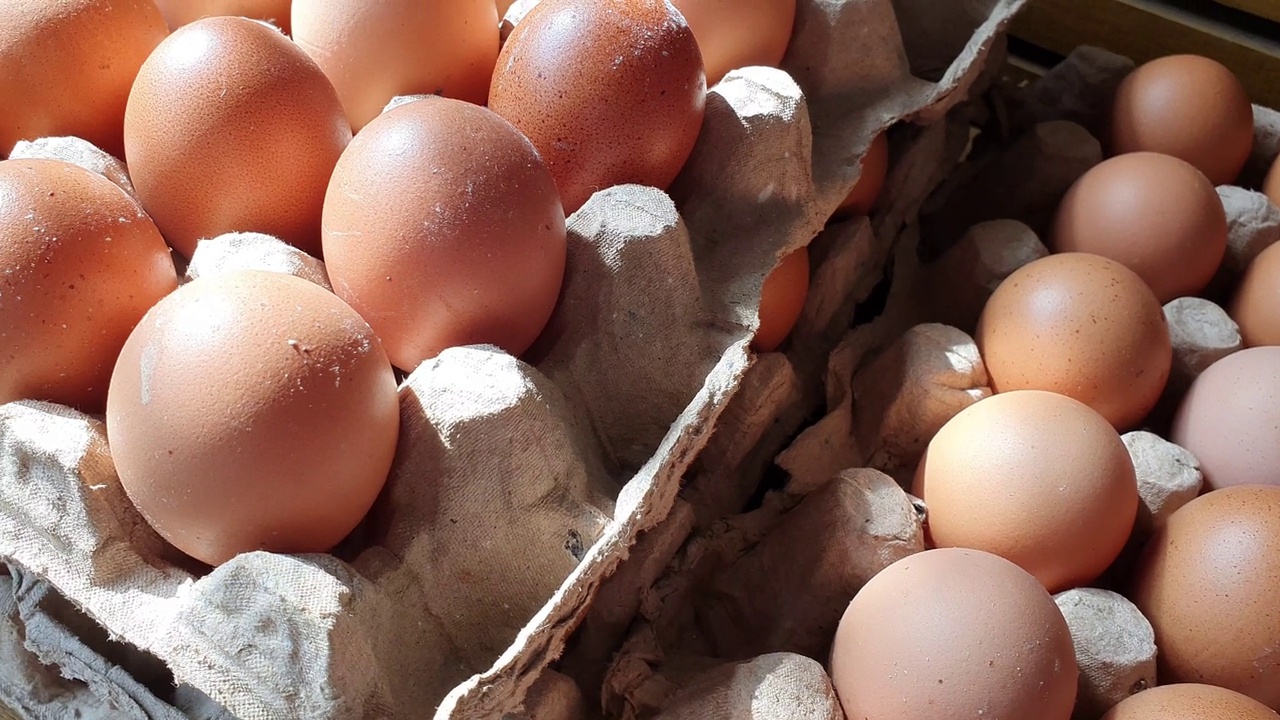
column 232, row 128
column 443, row 228
column 182, row 12
column 1037, row 478
column 1207, row 581
column 875, row 169
column 1230, row 419
column 1155, row 214
column 952, row 633
column 80, row 264
column 1083, row 326
column 66, row 67
column 1187, row 106
column 735, row 34
column 374, row 50
column 611, row 92
column 1271, row 184
column 1256, row 304
column 782, row 300
column 1190, row 701
column 252, row 410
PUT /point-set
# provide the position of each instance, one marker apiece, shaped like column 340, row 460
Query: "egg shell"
column 952, row 633
column 182, row 12
column 1187, row 106
column 374, row 50
column 443, row 228
column 1083, row 326
column 1207, row 582
column 80, row 264
column 875, row 169
column 611, row 92
column 1189, row 701
column 1037, row 478
column 232, row 128
column 252, row 410
column 735, row 34
column 1230, row 419
column 782, row 300
column 1156, row 214
column 66, row 67
column 1256, row 305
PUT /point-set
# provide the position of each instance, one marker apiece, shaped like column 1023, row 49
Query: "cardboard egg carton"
column 748, row 604
column 521, row 485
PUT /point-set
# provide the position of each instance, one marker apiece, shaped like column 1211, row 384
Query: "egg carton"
column 838, row 514
column 519, row 486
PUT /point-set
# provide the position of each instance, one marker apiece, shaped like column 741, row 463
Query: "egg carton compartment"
column 739, row 621
column 519, row 485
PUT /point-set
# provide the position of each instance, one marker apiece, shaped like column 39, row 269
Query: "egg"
column 80, row 264
column 443, row 228
column 1271, row 183
column 252, row 410
column 610, row 92
column 1256, row 304
column 782, row 300
column 181, row 12
column 1189, row 701
column 1187, row 106
column 952, row 633
column 1083, row 326
column 230, row 127
column 1037, row 478
column 66, row 67
column 1156, row 214
column 374, row 50
column 875, row 169
column 1230, row 419
column 1208, row 581
column 734, row 34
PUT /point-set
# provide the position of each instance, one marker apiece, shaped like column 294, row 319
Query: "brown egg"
column 611, row 92
column 948, row 634
column 374, row 50
column 1083, row 326
column 1207, row 581
column 80, row 264
column 443, row 228
column 782, row 300
column 66, row 67
column 1271, row 184
column 1034, row 477
column 1189, row 107
column 875, row 168
column 1230, row 419
column 232, row 128
column 734, row 34
column 252, row 410
column 1190, row 701
column 1256, row 305
column 182, row 12
column 1156, row 214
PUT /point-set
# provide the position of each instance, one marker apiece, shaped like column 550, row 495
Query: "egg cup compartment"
column 519, row 486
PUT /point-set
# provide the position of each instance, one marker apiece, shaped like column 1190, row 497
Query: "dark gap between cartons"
column 872, row 307
column 1032, row 54
column 1229, row 21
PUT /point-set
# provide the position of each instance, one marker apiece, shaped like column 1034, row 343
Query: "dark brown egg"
column 80, row 264
column 443, row 228
column 66, row 67
column 232, row 128
column 1187, row 106
column 1208, row 582
column 252, row 410
column 611, row 92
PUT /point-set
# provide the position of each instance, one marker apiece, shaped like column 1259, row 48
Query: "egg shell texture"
column 611, row 92
column 1189, row 701
column 1207, row 582
column 230, row 127
column 252, row 410
column 66, row 67
column 954, row 633
column 1083, row 326
column 80, row 264
column 443, row 228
